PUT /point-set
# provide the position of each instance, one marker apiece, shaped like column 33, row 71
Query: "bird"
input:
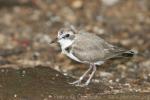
column 87, row 48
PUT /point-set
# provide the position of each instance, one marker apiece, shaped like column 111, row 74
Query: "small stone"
column 105, row 74
column 57, row 75
column 49, row 96
column 127, row 84
column 109, row 2
column 117, row 80
column 146, row 63
column 98, row 30
column 111, row 87
column 110, row 81
column 15, row 95
column 23, row 73
column 2, row 70
column 65, row 74
column 116, row 91
column 45, row 99
column 122, row 67
column 126, row 42
column 96, row 81
column 77, row 4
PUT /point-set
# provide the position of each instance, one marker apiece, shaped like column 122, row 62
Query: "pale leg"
column 81, row 78
column 91, row 76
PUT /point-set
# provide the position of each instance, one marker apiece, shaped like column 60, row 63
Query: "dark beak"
column 53, row 41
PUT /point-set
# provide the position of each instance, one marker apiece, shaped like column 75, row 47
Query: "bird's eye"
column 67, row 35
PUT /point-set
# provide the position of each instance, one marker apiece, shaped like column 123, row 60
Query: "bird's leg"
column 91, row 76
column 81, row 78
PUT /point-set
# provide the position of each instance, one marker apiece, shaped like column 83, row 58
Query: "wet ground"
column 32, row 69
column 43, row 83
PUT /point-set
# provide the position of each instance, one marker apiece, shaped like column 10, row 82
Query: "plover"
column 89, row 49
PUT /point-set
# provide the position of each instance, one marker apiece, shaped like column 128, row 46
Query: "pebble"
column 96, row 81
column 121, row 66
column 98, row 30
column 109, row 2
column 2, row 70
column 23, row 73
column 105, row 74
column 77, row 4
column 126, row 42
column 57, row 75
column 110, row 81
column 146, row 63
column 49, row 96
column 15, row 95
column 65, row 74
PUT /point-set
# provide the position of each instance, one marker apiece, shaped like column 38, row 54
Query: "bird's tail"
column 128, row 53
column 123, row 54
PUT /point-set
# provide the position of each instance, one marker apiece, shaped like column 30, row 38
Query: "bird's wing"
column 91, row 48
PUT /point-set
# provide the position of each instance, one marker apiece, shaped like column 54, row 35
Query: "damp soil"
column 43, row 83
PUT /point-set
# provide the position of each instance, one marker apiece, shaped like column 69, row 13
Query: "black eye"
column 67, row 35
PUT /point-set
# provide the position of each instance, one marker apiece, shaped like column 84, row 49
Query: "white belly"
column 70, row 55
column 99, row 62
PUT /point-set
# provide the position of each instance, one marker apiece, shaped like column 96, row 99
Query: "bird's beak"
column 53, row 41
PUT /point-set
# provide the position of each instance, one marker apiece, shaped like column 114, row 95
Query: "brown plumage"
column 85, row 49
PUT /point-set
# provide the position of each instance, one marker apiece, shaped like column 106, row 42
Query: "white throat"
column 65, row 43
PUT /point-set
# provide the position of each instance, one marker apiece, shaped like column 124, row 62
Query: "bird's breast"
column 64, row 43
column 67, row 51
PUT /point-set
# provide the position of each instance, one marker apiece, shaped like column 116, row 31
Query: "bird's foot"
column 77, row 82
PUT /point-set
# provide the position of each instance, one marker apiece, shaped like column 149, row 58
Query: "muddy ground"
column 31, row 69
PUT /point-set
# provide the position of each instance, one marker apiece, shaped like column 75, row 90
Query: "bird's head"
column 65, row 36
